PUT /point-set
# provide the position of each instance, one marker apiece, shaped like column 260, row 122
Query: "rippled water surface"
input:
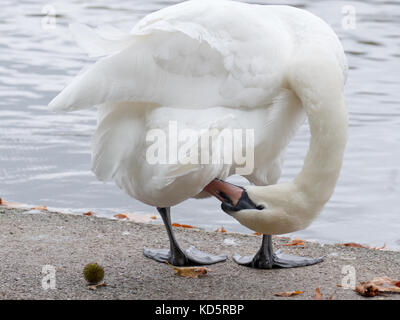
column 45, row 157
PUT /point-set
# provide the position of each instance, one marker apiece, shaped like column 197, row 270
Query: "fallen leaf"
column 353, row 245
column 295, row 242
column 367, row 290
column 378, row 248
column 182, row 225
column 1, row 201
column 288, row 293
column 95, row 286
column 378, row 286
column 120, row 216
column 136, row 217
column 89, row 213
column 190, row 272
column 140, row 217
column 357, row 245
column 257, row 233
column 318, row 294
column 222, row 229
column 41, row 208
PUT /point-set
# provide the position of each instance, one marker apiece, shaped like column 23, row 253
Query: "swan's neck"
column 289, row 207
column 328, row 126
column 320, row 88
column 292, row 206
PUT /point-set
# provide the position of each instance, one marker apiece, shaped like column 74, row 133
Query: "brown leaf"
column 95, row 286
column 295, row 242
column 367, row 290
column 257, row 233
column 1, row 201
column 353, row 245
column 357, row 245
column 190, row 272
column 41, row 208
column 120, row 216
column 89, row 213
column 377, row 286
column 182, row 225
column 140, row 217
column 136, row 217
column 318, row 294
column 222, row 229
column 288, row 293
column 378, row 248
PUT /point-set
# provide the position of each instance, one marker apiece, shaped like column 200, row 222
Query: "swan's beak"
column 233, row 198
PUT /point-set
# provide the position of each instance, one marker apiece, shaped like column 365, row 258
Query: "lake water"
column 45, row 157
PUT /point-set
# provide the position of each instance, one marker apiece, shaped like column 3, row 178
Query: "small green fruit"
column 93, row 273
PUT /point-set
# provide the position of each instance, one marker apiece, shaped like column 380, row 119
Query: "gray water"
column 45, row 157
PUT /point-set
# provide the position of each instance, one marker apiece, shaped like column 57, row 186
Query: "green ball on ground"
column 93, row 273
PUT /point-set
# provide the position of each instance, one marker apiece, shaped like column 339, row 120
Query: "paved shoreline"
column 69, row 242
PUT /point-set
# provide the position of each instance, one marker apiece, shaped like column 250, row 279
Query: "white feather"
column 204, row 64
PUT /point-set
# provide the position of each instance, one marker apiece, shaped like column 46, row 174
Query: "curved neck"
column 321, row 92
column 322, row 165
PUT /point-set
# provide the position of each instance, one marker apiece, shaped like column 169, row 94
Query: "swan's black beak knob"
column 234, row 198
column 244, row 203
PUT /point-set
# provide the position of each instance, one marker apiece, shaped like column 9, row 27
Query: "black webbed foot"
column 265, row 258
column 175, row 255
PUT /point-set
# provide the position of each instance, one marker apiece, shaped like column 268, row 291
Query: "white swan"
column 218, row 64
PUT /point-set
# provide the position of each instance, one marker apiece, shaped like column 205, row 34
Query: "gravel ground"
column 69, row 242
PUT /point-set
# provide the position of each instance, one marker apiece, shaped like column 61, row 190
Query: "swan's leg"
column 265, row 258
column 175, row 255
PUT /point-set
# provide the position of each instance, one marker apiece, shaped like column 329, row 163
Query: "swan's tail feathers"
column 162, row 67
column 103, row 41
column 123, row 76
column 107, row 78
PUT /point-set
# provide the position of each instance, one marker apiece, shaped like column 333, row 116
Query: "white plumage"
column 204, row 64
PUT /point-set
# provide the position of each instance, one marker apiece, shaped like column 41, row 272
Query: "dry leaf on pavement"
column 120, row 216
column 288, row 293
column 378, row 286
column 190, row 272
column 295, row 242
column 357, row 245
column 95, row 286
column 222, row 229
column 182, row 225
column 353, row 245
column 318, row 294
column 41, row 208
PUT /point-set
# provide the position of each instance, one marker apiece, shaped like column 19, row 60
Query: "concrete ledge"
column 69, row 242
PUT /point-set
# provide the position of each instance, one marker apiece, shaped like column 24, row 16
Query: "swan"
column 206, row 65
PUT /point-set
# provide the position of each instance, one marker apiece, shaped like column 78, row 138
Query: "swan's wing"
column 103, row 41
column 196, row 56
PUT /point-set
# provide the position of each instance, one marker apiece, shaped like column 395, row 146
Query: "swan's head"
column 274, row 209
